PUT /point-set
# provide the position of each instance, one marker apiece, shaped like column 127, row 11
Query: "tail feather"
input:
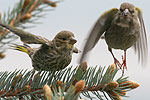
column 22, row 48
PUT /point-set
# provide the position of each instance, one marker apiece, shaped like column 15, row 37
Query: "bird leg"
column 117, row 63
column 124, row 62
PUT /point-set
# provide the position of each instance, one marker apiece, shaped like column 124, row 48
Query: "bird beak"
column 126, row 12
column 75, row 50
column 73, row 41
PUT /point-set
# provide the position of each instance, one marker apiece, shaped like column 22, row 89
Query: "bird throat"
column 125, row 25
column 122, row 21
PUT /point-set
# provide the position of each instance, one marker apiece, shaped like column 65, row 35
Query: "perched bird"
column 122, row 28
column 51, row 55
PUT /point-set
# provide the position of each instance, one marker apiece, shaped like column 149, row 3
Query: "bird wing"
column 25, row 36
column 141, row 46
column 99, row 28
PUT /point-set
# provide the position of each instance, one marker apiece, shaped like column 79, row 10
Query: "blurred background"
column 79, row 17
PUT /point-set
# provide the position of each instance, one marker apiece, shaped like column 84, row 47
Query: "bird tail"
column 22, row 48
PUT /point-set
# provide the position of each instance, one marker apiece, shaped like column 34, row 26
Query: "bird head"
column 127, row 11
column 65, row 39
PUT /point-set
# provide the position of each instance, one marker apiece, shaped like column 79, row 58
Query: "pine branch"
column 25, row 11
column 66, row 83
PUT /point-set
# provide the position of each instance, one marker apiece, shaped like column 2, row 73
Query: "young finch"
column 122, row 29
column 51, row 55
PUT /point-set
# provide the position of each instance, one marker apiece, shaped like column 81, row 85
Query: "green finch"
column 122, row 29
column 51, row 55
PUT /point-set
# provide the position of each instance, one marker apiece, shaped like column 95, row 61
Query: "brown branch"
column 112, row 88
column 29, row 90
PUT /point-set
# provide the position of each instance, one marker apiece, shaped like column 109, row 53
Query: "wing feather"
column 25, row 36
column 141, row 47
column 99, row 28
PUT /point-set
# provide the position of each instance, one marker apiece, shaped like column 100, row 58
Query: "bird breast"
column 122, row 35
column 44, row 59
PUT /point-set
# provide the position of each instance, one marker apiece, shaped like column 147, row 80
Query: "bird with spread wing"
column 122, row 29
column 51, row 55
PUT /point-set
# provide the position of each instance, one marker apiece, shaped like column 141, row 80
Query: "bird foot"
column 123, row 65
column 117, row 63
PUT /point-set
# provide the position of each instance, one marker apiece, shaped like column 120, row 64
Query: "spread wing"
column 25, row 36
column 141, row 46
column 99, row 28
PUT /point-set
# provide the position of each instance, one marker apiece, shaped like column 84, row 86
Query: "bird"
column 52, row 55
column 121, row 28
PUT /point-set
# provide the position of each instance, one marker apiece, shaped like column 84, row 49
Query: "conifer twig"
column 94, row 80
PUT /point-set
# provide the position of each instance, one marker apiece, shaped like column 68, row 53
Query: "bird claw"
column 123, row 65
column 117, row 63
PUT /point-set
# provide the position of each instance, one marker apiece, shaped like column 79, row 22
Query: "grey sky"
column 79, row 16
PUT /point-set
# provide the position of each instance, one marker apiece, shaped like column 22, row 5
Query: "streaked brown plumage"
column 122, row 28
column 51, row 55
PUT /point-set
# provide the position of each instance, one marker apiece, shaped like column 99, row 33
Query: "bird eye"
column 121, row 10
column 64, row 39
